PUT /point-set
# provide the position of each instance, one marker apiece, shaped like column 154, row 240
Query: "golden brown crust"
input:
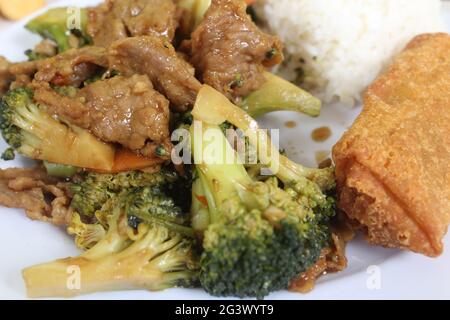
column 393, row 165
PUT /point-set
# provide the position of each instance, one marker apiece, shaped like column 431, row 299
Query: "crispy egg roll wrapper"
column 393, row 164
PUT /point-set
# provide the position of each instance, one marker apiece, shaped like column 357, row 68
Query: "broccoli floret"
column 150, row 204
column 92, row 190
column 258, row 237
column 8, row 154
column 60, row 170
column 56, row 25
column 29, row 130
column 277, row 94
column 153, row 205
column 152, row 257
column 86, row 235
column 13, row 102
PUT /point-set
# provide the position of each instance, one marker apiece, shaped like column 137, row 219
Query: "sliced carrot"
column 126, row 160
column 250, row 2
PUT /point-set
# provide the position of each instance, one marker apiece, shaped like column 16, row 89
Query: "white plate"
column 372, row 272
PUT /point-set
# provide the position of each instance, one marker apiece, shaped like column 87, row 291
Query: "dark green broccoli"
column 13, row 104
column 92, row 190
column 151, row 256
column 29, row 130
column 65, row 26
column 181, row 120
column 8, row 154
column 151, row 204
column 146, row 198
column 257, row 237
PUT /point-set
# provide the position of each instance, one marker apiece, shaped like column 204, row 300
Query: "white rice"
column 345, row 44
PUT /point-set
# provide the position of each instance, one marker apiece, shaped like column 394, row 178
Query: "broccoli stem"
column 200, row 209
column 114, row 241
column 115, row 272
column 60, row 170
column 221, row 172
column 278, row 94
column 214, row 108
column 219, row 167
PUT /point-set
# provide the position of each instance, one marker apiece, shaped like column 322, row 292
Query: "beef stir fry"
column 96, row 107
column 227, row 49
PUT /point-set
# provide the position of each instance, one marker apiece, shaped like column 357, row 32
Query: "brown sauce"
column 290, row 124
column 321, row 134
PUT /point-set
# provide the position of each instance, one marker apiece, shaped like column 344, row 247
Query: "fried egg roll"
column 393, row 164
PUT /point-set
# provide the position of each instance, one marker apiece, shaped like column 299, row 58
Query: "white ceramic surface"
column 400, row 274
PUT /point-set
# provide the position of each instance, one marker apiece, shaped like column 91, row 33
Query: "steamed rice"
column 338, row 47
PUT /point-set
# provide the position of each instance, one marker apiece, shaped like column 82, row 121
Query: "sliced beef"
column 72, row 67
column 230, row 52
column 43, row 198
column 22, row 73
column 26, row 68
column 120, row 110
column 5, row 75
column 157, row 58
column 118, row 19
column 106, row 14
column 153, row 17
